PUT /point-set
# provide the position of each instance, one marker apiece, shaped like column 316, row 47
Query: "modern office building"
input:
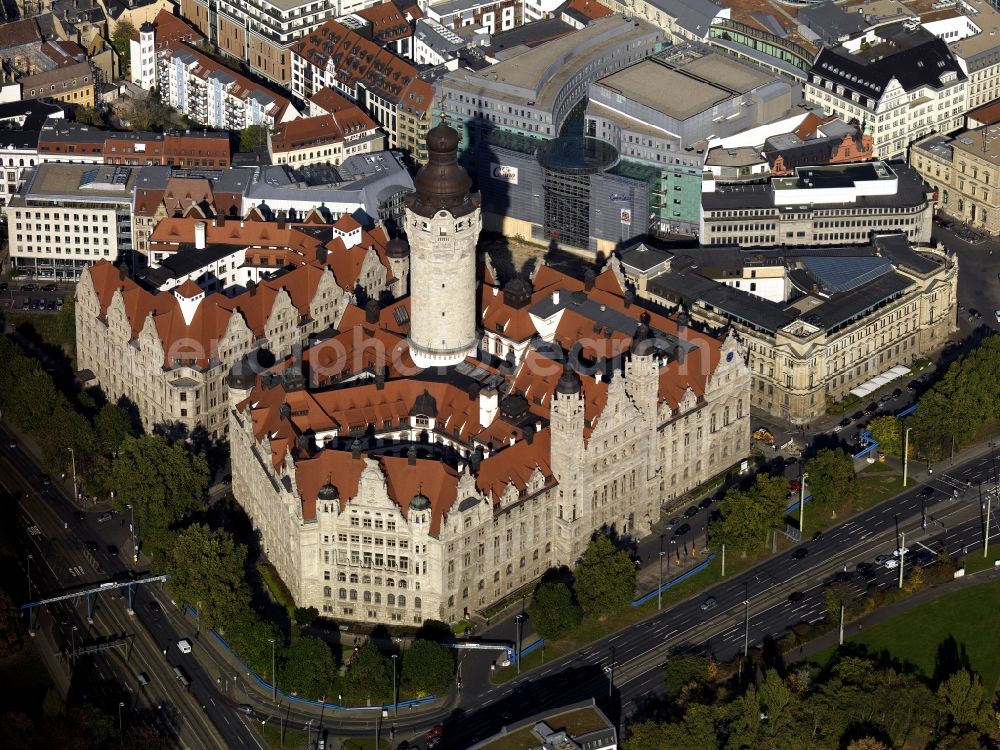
column 828, row 205
column 386, row 493
column 964, row 171
column 817, row 322
column 67, row 217
column 898, row 80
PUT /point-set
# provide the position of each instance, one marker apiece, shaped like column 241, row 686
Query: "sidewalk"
column 882, row 614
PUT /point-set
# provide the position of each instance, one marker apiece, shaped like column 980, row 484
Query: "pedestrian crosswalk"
column 76, row 571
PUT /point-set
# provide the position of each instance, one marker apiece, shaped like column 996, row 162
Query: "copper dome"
column 397, row 248
column 442, row 183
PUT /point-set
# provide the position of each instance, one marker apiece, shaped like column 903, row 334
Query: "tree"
column 683, row 670
column 746, row 518
column 886, row 431
column 10, row 635
column 831, row 478
column 839, row 594
column 552, row 610
column 650, row 735
column 120, row 40
column 867, row 743
column 604, row 578
column 427, row 668
column 88, row 116
column 369, row 678
column 962, row 702
column 306, row 615
column 308, row 667
column 164, row 483
column 112, row 426
column 206, row 571
column 252, row 137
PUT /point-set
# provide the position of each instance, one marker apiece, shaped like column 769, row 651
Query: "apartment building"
column 492, row 15
column 970, row 30
column 18, row 154
column 826, row 205
column 817, row 323
column 71, row 84
column 170, row 351
column 898, row 80
column 262, row 32
column 67, row 217
column 325, row 139
column 384, row 85
column 965, row 173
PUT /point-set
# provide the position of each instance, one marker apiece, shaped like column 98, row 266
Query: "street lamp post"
column 72, row 635
column 28, row 571
column 518, row 619
column 72, row 455
column 802, row 503
column 121, row 705
column 906, row 452
column 611, row 672
column 395, row 696
column 131, row 528
column 274, row 674
column 659, row 589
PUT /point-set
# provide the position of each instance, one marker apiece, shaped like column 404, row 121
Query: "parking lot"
column 29, row 296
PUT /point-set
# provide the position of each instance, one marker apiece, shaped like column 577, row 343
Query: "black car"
column 706, row 503
column 683, row 529
column 817, row 536
column 673, row 522
column 91, row 546
column 897, row 393
column 154, row 607
column 112, row 550
column 845, row 421
column 691, row 512
column 974, row 313
column 791, row 461
column 923, row 558
column 4, row 286
column 871, row 408
column 796, row 596
column 857, row 415
column 800, row 553
column 912, row 386
column 29, row 287
column 865, row 571
column 50, row 287
column 926, row 492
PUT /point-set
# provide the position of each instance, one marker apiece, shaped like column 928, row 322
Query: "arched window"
column 341, row 576
column 482, row 584
column 354, row 595
column 402, row 583
column 390, row 599
column 416, row 602
column 496, row 577
column 368, row 597
column 402, row 601
column 342, row 594
column 390, row 582
column 465, row 593
column 378, row 598
column 327, row 591
column 354, row 577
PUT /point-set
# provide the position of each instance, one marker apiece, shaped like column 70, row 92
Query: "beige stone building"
column 965, row 173
column 170, row 351
column 386, row 493
column 816, row 322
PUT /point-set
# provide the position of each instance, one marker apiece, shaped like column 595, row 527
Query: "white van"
column 184, row 646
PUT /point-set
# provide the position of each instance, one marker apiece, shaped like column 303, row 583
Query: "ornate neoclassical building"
column 441, row 452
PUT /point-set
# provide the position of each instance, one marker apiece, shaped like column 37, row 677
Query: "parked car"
column 673, row 522
column 29, row 287
column 706, row 503
column 897, row 393
column 974, row 314
column 683, row 529
column 791, row 461
column 845, row 422
column 104, row 517
column 26, row 305
column 51, row 305
column 59, row 303
column 50, row 287
column 927, row 491
column 691, row 512
column 857, row 415
column 91, row 546
column 800, row 553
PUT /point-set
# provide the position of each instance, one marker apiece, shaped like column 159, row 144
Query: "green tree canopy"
column 428, row 668
column 120, row 41
column 10, row 634
column 746, row 518
column 308, row 667
column 251, row 137
column 369, row 679
column 112, row 426
column 682, row 670
column 163, row 481
column 831, row 478
column 604, row 578
column 886, row 430
column 962, row 702
column 206, row 571
column 552, row 610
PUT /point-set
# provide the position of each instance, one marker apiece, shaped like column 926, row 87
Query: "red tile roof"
column 388, row 22
column 315, row 131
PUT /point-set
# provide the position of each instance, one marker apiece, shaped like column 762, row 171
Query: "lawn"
column 279, row 592
column 970, row 616
column 293, row 738
column 874, row 488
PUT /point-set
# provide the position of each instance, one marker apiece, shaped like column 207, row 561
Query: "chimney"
column 411, row 456
column 199, row 235
column 356, row 449
column 555, row 297
column 473, row 391
column 123, row 272
column 281, row 221
column 629, row 299
column 488, row 402
column 371, row 312
column 380, row 379
column 679, row 353
column 597, row 376
column 588, row 279
column 284, row 411
column 529, row 434
column 252, row 287
column 220, row 220
column 512, row 439
column 682, row 321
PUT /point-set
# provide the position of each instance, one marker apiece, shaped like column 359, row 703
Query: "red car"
column 435, row 733
column 795, row 484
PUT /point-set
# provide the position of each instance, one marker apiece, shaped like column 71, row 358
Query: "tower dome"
column 397, row 248
column 569, row 383
column 442, row 183
column 328, row 493
column 420, row 502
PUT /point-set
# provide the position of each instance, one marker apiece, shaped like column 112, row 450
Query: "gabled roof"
column 18, row 33
column 314, row 131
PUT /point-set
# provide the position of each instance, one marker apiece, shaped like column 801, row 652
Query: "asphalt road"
column 200, row 716
column 637, row 654
column 978, row 280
